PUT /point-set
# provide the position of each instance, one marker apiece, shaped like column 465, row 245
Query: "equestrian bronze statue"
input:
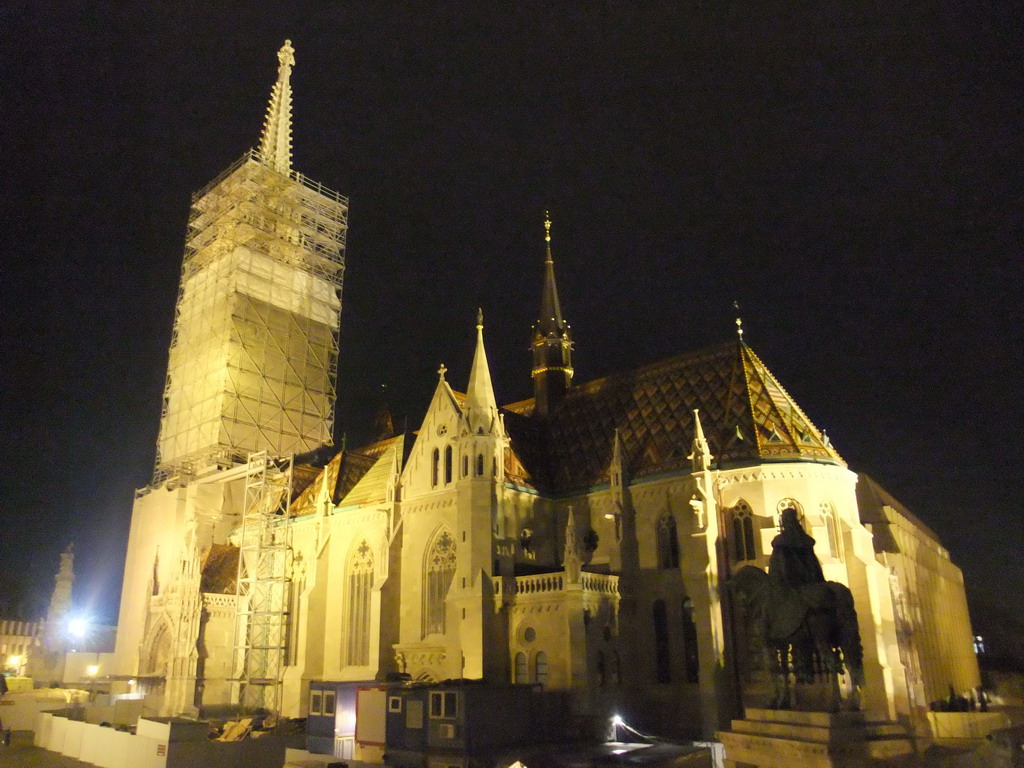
column 807, row 626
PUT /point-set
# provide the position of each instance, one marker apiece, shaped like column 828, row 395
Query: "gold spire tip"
column 479, row 318
column 739, row 320
column 547, row 226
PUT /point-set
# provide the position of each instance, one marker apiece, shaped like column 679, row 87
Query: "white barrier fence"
column 158, row 743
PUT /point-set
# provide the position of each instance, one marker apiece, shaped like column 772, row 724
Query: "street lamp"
column 92, row 670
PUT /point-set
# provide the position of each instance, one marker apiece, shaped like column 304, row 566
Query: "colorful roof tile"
column 746, row 413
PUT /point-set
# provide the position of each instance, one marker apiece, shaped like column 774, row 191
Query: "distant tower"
column 254, row 352
column 60, row 601
column 552, row 342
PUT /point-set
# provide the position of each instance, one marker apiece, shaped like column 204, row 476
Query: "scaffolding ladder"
column 263, row 587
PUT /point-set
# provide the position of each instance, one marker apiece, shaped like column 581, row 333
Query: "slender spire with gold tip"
column 552, row 340
column 481, row 405
column 276, row 141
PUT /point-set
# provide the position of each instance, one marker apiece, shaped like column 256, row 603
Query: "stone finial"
column 701, row 453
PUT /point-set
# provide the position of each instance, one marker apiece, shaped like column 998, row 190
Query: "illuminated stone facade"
column 581, row 539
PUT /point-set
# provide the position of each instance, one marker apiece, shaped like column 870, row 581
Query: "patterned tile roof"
column 344, row 471
column 746, row 414
column 219, row 569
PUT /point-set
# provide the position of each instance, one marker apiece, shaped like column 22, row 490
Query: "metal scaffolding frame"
column 254, row 351
column 263, row 586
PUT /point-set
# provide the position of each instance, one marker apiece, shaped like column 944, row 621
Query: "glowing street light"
column 78, row 628
column 92, row 670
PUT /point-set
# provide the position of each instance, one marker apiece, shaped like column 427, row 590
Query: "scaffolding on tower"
column 254, row 350
column 263, row 586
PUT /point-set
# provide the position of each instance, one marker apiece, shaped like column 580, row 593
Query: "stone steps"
column 785, row 738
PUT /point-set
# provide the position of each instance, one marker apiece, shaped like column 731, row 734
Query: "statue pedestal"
column 774, row 738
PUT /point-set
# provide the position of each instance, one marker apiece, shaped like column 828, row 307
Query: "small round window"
column 529, row 634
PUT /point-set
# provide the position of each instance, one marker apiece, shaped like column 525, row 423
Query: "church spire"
column 481, row 405
column 552, row 340
column 550, row 321
column 276, row 141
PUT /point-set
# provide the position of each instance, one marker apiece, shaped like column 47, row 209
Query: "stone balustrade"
column 543, row 583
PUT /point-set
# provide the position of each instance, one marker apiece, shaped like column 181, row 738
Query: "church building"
column 582, row 540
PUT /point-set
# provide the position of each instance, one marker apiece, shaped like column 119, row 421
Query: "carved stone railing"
column 549, row 583
column 600, row 582
column 544, row 582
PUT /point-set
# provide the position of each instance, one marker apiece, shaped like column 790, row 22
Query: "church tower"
column 254, row 351
column 552, row 342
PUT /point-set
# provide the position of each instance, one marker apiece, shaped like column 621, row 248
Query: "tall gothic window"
column 828, row 514
column 435, row 460
column 479, row 465
column 360, row 582
column 743, row 532
column 690, row 654
column 662, row 662
column 448, row 464
column 600, row 668
column 440, row 570
column 522, row 675
column 540, row 667
column 668, row 542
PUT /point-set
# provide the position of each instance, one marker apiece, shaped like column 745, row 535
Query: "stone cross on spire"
column 276, row 141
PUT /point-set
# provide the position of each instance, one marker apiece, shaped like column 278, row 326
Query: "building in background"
column 581, row 540
column 53, row 650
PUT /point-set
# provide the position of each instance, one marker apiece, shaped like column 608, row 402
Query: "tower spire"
column 552, row 339
column 276, row 141
column 550, row 319
column 481, row 405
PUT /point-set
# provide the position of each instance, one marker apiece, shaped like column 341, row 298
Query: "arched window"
column 435, row 460
column 690, row 653
column 668, row 542
column 448, row 464
column 439, row 572
column 743, row 532
column 522, row 676
column 465, row 466
column 793, row 504
column 616, row 668
column 540, row 667
column 360, row 582
column 662, row 662
column 479, row 465
column 835, row 541
column 600, row 668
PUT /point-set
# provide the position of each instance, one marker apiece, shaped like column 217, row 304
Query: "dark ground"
column 22, row 754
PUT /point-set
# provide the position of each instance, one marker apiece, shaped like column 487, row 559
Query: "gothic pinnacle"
column 276, row 142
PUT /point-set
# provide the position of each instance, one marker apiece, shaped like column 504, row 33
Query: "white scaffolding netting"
column 253, row 359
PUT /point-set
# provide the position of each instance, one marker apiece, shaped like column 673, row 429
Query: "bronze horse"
column 808, row 625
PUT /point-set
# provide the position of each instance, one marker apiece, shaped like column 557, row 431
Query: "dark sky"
column 851, row 172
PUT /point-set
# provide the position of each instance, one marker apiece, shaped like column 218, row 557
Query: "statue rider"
column 792, row 562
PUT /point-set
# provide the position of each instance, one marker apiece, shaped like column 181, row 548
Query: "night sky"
column 850, row 172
